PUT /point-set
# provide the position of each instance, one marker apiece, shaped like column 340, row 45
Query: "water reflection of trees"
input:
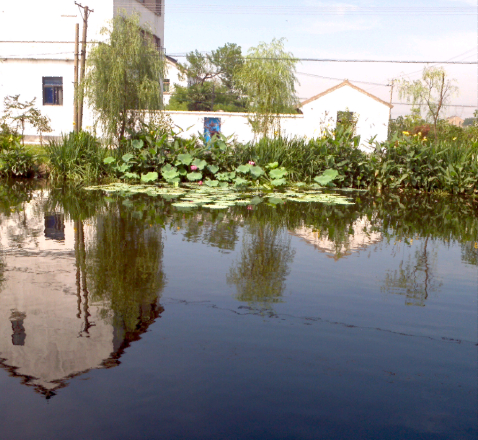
column 260, row 271
column 416, row 277
column 124, row 268
column 216, row 229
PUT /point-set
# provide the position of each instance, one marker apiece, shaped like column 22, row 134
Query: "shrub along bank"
column 404, row 162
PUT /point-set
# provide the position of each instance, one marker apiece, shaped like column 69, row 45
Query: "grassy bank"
column 405, row 162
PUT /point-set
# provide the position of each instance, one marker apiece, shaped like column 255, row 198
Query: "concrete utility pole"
column 86, row 12
column 75, row 79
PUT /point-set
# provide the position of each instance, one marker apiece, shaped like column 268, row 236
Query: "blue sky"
column 350, row 30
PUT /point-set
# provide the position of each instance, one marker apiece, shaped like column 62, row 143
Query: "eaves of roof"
column 343, row 84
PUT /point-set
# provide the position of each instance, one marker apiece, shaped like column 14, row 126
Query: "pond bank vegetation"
column 155, row 154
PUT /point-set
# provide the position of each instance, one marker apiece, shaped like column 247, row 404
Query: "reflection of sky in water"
column 340, row 348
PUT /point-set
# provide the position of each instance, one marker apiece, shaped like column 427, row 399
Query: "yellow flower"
column 406, row 133
column 476, row 245
column 152, row 133
column 454, row 138
column 424, row 138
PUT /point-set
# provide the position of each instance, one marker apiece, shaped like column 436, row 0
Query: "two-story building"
column 37, row 50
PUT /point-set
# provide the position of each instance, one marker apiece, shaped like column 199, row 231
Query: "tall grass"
column 76, row 157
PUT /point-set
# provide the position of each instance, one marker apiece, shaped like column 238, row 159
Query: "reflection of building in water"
column 55, row 226
column 360, row 235
column 50, row 331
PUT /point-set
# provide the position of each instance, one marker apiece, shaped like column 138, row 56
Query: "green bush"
column 76, row 156
column 16, row 161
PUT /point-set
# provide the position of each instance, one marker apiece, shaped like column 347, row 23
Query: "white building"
column 37, row 49
column 319, row 113
column 371, row 113
column 172, row 77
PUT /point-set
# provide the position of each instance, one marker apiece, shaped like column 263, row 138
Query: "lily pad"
column 150, row 177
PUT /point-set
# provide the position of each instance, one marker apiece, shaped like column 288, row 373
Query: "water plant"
column 76, row 157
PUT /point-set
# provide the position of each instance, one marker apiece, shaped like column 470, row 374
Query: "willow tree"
column 268, row 80
column 430, row 93
column 123, row 83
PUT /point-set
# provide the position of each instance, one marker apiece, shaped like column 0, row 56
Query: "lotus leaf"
column 326, row 177
column 185, row 159
column 239, row 181
column 278, row 173
column 244, row 169
column 108, row 160
column 278, row 182
column 212, row 183
column 199, row 163
column 276, row 200
column 194, row 176
column 129, row 175
column 150, row 177
column 213, row 168
column 257, row 172
column 256, row 200
column 127, row 157
column 272, row 165
column 123, row 168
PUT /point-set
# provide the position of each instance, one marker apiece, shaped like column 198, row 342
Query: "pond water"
column 124, row 317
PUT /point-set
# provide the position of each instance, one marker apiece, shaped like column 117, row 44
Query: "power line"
column 254, row 9
column 443, row 105
column 337, row 60
column 341, row 79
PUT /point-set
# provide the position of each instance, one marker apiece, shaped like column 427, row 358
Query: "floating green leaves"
column 212, row 195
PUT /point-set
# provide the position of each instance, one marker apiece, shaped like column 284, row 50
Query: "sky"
column 380, row 30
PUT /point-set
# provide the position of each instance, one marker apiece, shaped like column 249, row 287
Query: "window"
column 166, row 85
column 347, row 120
column 52, row 90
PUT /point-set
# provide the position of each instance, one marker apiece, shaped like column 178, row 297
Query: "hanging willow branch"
column 123, row 83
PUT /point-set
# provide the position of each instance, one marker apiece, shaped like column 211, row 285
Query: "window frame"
column 56, row 88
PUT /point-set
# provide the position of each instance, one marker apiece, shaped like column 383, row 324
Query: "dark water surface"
column 126, row 318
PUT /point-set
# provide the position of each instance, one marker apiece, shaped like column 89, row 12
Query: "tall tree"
column 211, row 81
column 268, row 80
column 123, row 80
column 430, row 93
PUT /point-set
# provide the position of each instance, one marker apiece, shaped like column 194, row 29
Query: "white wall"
column 22, row 65
column 24, row 77
column 372, row 115
column 172, row 73
column 232, row 124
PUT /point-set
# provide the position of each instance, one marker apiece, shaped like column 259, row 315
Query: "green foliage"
column 77, row 157
column 431, row 92
column 17, row 161
column 212, row 81
column 18, row 114
column 122, row 84
column 268, row 80
column 412, row 163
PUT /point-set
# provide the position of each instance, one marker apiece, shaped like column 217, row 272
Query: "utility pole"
column 75, row 80
column 391, row 95
column 86, row 12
